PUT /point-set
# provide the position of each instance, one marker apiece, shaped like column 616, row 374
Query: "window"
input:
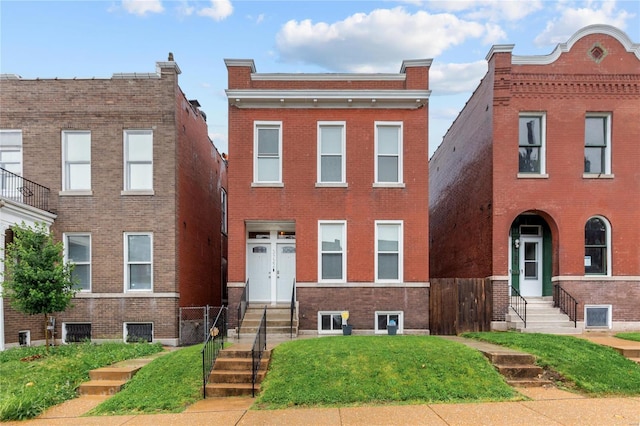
column 24, row 338
column 597, row 247
column 11, row 160
column 388, row 251
column 138, row 152
column 223, row 206
column 267, row 152
column 138, row 261
column 531, row 143
column 138, row 332
column 332, row 249
column 77, row 250
column 597, row 144
column 329, row 322
column 76, row 332
column 388, row 145
column 383, row 319
column 331, row 152
column 76, row 155
column 597, row 316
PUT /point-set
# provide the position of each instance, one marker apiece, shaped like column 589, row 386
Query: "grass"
column 593, row 369
column 378, row 369
column 635, row 336
column 166, row 385
column 32, row 380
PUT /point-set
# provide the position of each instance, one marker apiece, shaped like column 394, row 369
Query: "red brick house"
column 136, row 191
column 329, row 185
column 536, row 185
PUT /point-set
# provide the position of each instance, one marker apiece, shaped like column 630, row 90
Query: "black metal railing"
column 259, row 346
column 293, row 305
column 21, row 190
column 566, row 302
column 242, row 306
column 519, row 305
column 212, row 346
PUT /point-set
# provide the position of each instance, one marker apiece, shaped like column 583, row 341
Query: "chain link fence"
column 195, row 323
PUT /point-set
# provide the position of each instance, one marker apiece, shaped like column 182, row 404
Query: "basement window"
column 329, row 322
column 24, row 338
column 383, row 318
column 138, row 332
column 76, row 332
column 597, row 316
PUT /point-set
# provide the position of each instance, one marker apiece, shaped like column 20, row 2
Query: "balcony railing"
column 21, row 190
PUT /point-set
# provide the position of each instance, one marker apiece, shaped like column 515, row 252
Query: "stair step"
column 636, row 360
column 113, row 373
column 552, row 330
column 239, row 364
column 222, row 376
column 529, row 383
column 101, row 387
column 510, row 359
column 230, row 389
column 629, row 353
column 519, row 371
column 240, row 353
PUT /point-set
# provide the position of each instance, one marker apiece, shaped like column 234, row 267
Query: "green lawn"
column 635, row 336
column 166, row 385
column 349, row 370
column 594, row 369
column 32, row 380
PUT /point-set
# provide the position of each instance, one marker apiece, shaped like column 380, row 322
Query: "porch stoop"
column 278, row 321
column 542, row 317
column 107, row 380
column 232, row 372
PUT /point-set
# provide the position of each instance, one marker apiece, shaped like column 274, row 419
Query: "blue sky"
column 69, row 39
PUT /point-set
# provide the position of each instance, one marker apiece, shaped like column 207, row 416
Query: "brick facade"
column 359, row 101
column 182, row 213
column 477, row 193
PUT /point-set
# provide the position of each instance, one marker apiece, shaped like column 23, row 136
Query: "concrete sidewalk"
column 549, row 407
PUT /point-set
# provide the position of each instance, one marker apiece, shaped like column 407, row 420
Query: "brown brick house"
column 137, row 195
column 536, row 185
column 329, row 188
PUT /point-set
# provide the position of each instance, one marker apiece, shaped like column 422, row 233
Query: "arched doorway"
column 531, row 256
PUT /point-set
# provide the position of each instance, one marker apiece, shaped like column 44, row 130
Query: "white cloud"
column 373, row 42
column 492, row 10
column 494, row 34
column 142, row 7
column 219, row 10
column 447, row 79
column 571, row 19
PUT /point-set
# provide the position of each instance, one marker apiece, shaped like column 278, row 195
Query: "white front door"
column 530, row 266
column 285, row 272
column 271, row 270
column 259, row 271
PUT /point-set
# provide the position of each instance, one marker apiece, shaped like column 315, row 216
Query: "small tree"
column 37, row 281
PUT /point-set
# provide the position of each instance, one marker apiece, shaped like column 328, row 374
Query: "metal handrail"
column 212, row 347
column 259, row 346
column 293, row 305
column 566, row 302
column 16, row 188
column 242, row 306
column 520, row 305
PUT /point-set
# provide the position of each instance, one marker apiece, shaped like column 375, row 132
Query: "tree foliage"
column 36, row 278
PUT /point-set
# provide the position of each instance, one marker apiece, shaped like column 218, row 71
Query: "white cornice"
column 241, row 63
column 407, row 99
column 407, row 63
column 614, row 32
column 327, row 77
column 499, row 48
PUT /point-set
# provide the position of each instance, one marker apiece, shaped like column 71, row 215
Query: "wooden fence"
column 457, row 305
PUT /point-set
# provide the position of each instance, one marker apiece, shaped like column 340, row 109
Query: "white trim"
column 332, row 185
column 75, row 193
column 608, row 242
column 388, row 185
column 597, row 176
column 357, row 285
column 343, row 252
column 499, row 48
column 65, row 236
column 326, row 77
column 332, row 331
column 400, row 225
column 125, row 155
column 343, row 160
column 241, row 63
column 28, row 333
column 126, row 261
column 400, row 321
column 409, row 63
column 400, row 127
column 607, row 148
column 128, row 295
column 266, row 125
column 224, row 210
column 542, row 115
column 532, row 176
column 609, row 30
column 591, row 278
column 609, row 317
column 65, row 150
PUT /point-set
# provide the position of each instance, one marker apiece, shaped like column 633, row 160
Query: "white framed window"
column 223, row 207
column 532, row 143
column 332, row 249
column 134, row 332
column 331, row 152
column 138, row 160
column 597, row 246
column 138, row 255
column 389, row 251
column 597, row 144
column 329, row 322
column 384, row 318
column 77, row 250
column 76, row 332
column 388, row 152
column 24, row 337
column 267, row 161
column 597, row 316
column 76, row 160
column 11, row 160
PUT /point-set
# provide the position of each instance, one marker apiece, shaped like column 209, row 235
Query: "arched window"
column 597, row 247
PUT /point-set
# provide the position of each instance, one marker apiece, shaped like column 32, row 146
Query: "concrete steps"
column 278, row 321
column 518, row 369
column 107, row 380
column 232, row 372
column 542, row 317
